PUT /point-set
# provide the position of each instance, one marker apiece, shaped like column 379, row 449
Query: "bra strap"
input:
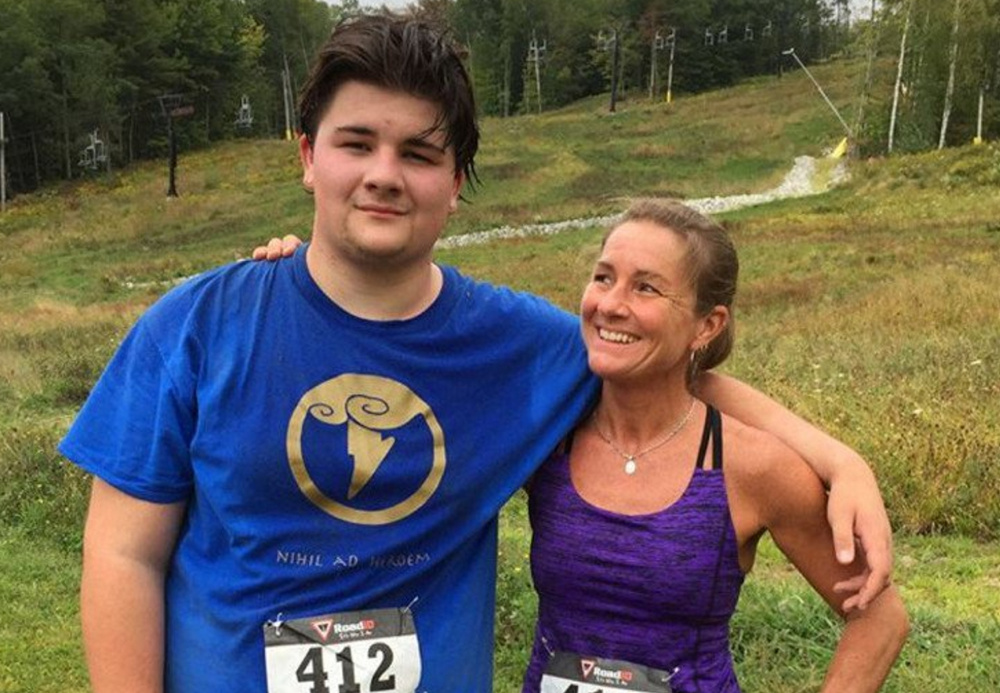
column 706, row 435
column 711, row 432
column 716, row 438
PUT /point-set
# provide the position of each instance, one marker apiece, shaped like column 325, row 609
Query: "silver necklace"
column 630, row 459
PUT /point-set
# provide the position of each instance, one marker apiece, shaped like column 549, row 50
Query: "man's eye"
column 360, row 146
column 416, row 156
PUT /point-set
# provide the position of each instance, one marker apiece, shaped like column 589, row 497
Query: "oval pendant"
column 630, row 466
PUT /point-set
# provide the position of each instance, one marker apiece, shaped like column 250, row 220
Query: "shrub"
column 40, row 491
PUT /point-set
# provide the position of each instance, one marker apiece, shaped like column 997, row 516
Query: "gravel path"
column 799, row 182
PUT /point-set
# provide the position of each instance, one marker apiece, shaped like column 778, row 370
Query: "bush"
column 40, row 491
column 69, row 360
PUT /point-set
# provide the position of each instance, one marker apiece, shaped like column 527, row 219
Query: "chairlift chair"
column 244, row 117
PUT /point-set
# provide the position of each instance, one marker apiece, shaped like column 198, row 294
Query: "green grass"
column 871, row 309
column 40, row 646
column 782, row 634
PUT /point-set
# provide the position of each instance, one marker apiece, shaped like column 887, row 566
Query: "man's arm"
column 854, row 507
column 126, row 550
column 772, row 485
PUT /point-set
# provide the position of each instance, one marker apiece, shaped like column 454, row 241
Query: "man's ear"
column 456, row 191
column 306, row 157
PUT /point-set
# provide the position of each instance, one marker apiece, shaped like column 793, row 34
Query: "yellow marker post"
column 839, row 150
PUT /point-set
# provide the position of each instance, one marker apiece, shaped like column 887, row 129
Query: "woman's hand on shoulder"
column 277, row 248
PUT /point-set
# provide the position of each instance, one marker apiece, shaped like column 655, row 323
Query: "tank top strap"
column 712, row 431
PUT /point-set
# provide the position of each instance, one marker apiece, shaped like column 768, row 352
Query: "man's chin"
column 384, row 256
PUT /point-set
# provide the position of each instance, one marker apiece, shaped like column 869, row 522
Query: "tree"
column 899, row 74
column 80, row 67
column 294, row 30
column 948, row 66
column 139, row 31
column 952, row 62
column 27, row 94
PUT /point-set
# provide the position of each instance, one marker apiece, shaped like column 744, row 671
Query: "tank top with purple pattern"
column 656, row 589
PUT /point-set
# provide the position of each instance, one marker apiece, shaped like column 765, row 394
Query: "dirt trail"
column 800, row 181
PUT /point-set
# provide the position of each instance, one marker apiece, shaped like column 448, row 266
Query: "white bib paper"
column 349, row 652
column 572, row 673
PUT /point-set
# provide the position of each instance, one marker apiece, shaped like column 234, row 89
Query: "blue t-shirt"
column 331, row 463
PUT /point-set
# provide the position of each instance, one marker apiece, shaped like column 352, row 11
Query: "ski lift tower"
column 173, row 106
column 536, row 53
column 3, row 167
column 612, row 44
column 672, row 42
column 658, row 44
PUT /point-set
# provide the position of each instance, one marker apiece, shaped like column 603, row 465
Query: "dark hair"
column 403, row 54
column 712, row 267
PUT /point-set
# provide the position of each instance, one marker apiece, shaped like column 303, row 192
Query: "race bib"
column 572, row 673
column 349, row 652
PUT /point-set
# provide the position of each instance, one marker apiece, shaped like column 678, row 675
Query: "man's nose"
column 385, row 172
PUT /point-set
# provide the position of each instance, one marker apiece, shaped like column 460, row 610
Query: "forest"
column 87, row 86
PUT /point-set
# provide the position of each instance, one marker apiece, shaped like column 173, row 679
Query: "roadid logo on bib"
column 370, row 407
column 567, row 672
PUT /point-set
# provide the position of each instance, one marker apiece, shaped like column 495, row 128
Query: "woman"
column 647, row 520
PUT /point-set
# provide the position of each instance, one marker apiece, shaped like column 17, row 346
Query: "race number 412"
column 351, row 652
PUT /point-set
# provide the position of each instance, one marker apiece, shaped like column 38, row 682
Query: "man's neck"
column 385, row 293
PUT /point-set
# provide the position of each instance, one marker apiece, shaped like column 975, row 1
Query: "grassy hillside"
column 80, row 243
column 871, row 309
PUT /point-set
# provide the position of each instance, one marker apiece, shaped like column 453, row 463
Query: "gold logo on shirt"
column 368, row 405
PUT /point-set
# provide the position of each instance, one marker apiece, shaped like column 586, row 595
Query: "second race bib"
column 573, row 673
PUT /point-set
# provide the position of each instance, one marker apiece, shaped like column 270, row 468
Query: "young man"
column 299, row 465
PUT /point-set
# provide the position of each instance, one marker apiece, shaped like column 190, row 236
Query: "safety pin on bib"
column 276, row 624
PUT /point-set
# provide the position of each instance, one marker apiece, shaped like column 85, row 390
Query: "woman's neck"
column 634, row 415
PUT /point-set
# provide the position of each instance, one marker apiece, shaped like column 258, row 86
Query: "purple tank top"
column 656, row 589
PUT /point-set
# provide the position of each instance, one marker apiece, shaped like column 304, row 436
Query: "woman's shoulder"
column 767, row 483
column 766, row 477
